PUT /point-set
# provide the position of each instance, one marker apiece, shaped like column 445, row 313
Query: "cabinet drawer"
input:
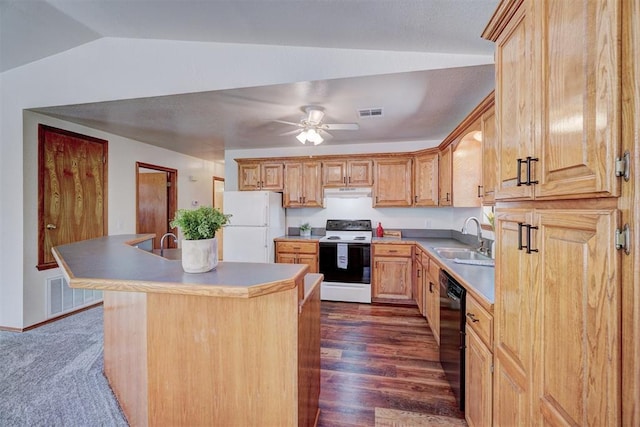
column 297, row 247
column 434, row 270
column 393, row 250
column 480, row 321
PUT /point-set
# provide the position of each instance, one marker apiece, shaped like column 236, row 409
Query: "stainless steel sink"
column 463, row 254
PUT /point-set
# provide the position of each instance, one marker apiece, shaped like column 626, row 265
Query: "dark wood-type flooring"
column 380, row 368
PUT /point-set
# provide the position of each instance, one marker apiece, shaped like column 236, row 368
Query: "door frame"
column 172, row 196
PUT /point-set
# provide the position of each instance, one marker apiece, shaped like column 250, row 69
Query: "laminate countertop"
column 114, row 263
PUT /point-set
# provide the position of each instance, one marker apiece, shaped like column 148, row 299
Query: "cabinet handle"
column 520, row 225
column 472, row 317
column 418, row 272
column 479, row 190
column 431, row 287
column 529, row 228
column 519, row 172
column 344, row 179
column 415, row 198
column 529, row 160
column 392, row 251
column 447, row 197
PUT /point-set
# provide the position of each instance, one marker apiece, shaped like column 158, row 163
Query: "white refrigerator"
column 257, row 218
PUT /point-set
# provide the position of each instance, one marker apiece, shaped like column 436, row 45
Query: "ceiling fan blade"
column 326, row 135
column 291, row 132
column 341, row 126
column 288, row 123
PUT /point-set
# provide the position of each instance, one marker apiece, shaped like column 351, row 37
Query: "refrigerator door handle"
column 266, row 215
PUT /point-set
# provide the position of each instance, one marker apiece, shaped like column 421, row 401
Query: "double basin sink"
column 464, row 256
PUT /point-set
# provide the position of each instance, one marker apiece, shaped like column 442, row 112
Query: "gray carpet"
column 52, row 375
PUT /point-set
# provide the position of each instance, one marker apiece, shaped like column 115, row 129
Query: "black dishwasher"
column 452, row 333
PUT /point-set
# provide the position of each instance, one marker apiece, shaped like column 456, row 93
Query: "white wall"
column 110, row 69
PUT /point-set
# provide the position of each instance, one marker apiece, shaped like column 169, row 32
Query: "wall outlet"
column 194, row 203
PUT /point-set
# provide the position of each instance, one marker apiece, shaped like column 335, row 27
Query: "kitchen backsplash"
column 391, row 218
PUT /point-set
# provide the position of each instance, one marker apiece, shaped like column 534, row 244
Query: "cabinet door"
column 360, row 173
column 478, row 377
column 579, row 62
column 488, row 125
column 249, row 176
column 310, row 260
column 311, row 184
column 425, row 180
column 392, row 278
column 514, row 101
column 272, row 176
column 444, row 175
column 285, row 258
column 433, row 307
column 293, row 190
column 513, row 319
column 392, row 182
column 467, row 170
column 334, row 173
column 577, row 348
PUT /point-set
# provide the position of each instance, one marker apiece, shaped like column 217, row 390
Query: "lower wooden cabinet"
column 392, row 273
column 297, row 252
column 432, row 298
column 478, row 369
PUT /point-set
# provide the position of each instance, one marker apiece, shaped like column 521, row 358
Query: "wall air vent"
column 370, row 112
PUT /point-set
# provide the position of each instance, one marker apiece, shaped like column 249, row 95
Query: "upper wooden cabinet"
column 445, row 183
column 467, row 168
column 302, row 184
column 344, row 173
column 393, row 184
column 557, row 98
column 425, row 180
column 260, row 176
column 489, row 161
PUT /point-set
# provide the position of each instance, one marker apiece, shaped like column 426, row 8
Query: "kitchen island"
column 236, row 346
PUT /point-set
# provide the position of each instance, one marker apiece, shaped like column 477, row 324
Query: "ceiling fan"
column 311, row 128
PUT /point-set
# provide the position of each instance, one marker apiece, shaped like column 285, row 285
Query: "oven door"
column 358, row 265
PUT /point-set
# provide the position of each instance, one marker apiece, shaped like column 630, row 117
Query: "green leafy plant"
column 492, row 219
column 201, row 223
column 305, row 227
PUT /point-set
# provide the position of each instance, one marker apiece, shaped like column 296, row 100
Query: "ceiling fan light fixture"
column 314, row 136
column 302, row 136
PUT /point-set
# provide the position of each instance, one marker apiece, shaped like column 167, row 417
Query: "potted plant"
column 199, row 244
column 305, row 230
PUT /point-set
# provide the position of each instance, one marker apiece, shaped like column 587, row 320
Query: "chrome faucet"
column 175, row 240
column 479, row 228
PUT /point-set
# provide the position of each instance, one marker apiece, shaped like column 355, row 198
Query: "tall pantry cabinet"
column 557, row 322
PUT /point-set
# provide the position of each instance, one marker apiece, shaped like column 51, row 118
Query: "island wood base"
column 182, row 360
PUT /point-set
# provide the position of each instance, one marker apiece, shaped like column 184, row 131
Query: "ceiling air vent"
column 370, row 112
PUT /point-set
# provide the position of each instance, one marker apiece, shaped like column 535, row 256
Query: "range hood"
column 347, row 192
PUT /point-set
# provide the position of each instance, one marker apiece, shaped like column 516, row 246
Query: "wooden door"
column 467, row 170
column 514, row 104
column 513, row 317
column 425, row 180
column 271, row 176
column 360, row 173
column 580, row 113
column 312, row 184
column 293, row 189
column 72, row 190
column 489, row 158
column 334, row 173
column 393, row 182
column 392, row 278
column 153, row 203
column 444, row 178
column 248, row 176
column 218, row 203
column 577, row 339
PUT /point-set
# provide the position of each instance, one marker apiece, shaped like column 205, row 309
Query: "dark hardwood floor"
column 380, row 368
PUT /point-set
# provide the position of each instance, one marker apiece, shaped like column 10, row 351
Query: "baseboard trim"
column 53, row 319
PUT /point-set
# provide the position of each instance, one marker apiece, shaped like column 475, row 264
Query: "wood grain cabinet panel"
column 467, row 168
column 392, row 273
column 478, row 377
column 425, row 180
column 432, row 298
column 393, row 183
column 445, row 178
column 296, row 252
column 345, row 173
column 302, row 184
column 261, row 176
column 489, row 157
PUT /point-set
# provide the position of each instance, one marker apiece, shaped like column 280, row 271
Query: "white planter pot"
column 199, row 256
column 305, row 233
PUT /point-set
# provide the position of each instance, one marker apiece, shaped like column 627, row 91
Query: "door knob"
column 51, row 227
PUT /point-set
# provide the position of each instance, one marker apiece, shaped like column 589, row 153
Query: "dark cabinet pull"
column 447, row 199
column 519, row 172
column 520, row 225
column 529, row 228
column 431, row 287
column 479, row 190
column 344, row 179
column 415, row 198
column 349, row 180
column 529, row 160
column 418, row 273
column 472, row 317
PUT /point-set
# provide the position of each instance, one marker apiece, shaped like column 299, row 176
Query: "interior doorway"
column 156, row 201
column 218, row 202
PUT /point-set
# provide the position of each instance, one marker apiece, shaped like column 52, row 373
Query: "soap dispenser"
column 379, row 230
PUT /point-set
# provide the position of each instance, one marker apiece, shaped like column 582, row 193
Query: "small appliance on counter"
column 257, row 218
column 345, row 261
